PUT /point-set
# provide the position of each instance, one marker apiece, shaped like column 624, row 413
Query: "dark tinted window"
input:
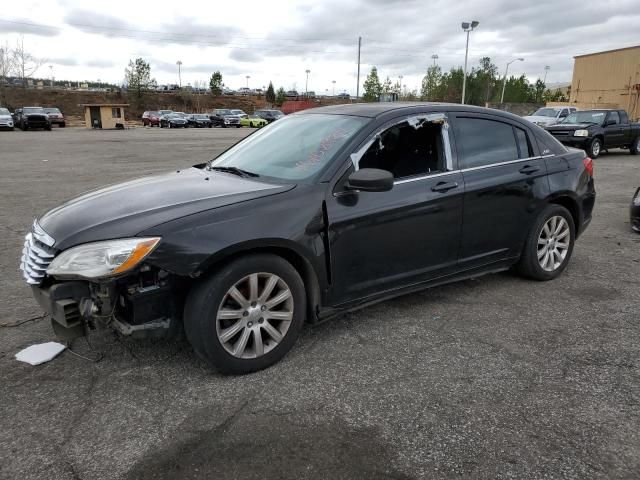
column 524, row 148
column 624, row 118
column 484, row 142
column 613, row 116
column 548, row 144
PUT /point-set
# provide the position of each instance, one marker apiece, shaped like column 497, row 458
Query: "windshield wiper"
column 234, row 171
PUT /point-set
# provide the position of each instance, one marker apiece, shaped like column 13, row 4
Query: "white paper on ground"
column 41, row 353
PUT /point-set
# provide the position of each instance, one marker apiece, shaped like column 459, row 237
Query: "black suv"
column 269, row 115
column 597, row 130
column 334, row 208
column 222, row 117
column 31, row 117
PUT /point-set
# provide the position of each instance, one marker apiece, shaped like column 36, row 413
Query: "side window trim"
column 438, row 117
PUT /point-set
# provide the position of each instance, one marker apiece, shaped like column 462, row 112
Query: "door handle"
column 444, row 186
column 529, row 169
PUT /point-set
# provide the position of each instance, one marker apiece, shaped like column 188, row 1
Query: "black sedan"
column 635, row 211
column 326, row 210
column 173, row 120
column 199, row 120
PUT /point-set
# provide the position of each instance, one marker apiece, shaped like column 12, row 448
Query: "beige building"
column 104, row 115
column 608, row 79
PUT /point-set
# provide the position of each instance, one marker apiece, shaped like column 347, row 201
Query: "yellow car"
column 253, row 121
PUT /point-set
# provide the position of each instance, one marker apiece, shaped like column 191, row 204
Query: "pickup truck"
column 597, row 130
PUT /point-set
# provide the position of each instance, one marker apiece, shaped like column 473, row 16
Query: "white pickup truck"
column 546, row 116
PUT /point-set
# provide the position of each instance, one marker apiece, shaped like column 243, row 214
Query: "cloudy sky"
column 278, row 40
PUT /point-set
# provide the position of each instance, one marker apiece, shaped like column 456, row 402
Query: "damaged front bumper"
column 138, row 305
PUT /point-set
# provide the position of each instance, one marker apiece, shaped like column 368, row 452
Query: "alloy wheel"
column 595, row 148
column 553, row 243
column 254, row 315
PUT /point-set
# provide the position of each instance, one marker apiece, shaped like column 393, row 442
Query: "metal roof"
column 376, row 109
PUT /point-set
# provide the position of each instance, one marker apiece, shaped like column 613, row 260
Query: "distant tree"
column 388, row 87
column 137, row 77
column 431, row 84
column 24, row 63
column 215, row 83
column 451, row 85
column 6, row 67
column 537, row 91
column 280, row 96
column 372, row 87
column 270, row 96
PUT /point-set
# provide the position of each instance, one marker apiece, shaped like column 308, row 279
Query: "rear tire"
column 595, row 148
column 62, row 125
column 252, row 333
column 634, row 149
column 549, row 244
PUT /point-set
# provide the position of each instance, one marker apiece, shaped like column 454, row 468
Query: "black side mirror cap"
column 370, row 180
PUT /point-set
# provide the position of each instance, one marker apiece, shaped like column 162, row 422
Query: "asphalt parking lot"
column 496, row 377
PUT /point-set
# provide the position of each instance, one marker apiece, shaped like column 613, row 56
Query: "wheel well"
column 302, row 266
column 571, row 205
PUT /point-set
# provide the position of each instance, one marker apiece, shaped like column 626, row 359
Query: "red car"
column 55, row 116
column 151, row 118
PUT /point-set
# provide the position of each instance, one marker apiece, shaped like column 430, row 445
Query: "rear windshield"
column 294, row 148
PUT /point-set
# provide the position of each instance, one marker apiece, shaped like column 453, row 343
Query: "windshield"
column 4, row 111
column 201, row 117
column 545, row 112
column 595, row 117
column 174, row 115
column 52, row 110
column 33, row 110
column 223, row 112
column 295, row 148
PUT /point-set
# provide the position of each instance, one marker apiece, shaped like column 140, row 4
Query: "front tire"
column 246, row 316
column 634, row 149
column 595, row 148
column 549, row 245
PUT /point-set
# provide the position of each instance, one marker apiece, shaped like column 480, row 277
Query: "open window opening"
column 414, row 147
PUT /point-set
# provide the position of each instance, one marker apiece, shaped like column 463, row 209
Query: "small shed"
column 104, row 115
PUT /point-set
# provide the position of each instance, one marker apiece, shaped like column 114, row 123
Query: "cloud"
column 100, row 63
column 67, row 62
column 24, row 26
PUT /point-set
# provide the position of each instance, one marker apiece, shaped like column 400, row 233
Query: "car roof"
column 377, row 109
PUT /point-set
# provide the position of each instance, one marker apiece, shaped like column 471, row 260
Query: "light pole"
column 467, row 27
column 546, row 70
column 51, row 70
column 434, row 57
column 333, row 91
column 306, row 83
column 504, row 83
column 179, row 63
column 399, row 86
column 248, row 77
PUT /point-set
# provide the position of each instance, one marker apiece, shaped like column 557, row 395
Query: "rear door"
column 505, row 180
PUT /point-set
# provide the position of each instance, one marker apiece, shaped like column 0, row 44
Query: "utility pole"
column 358, row 85
column 306, row 83
column 467, row 27
column 546, row 70
column 506, row 70
column 435, row 57
column 179, row 63
column 333, row 92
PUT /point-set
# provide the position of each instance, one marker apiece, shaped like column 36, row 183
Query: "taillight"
column 588, row 165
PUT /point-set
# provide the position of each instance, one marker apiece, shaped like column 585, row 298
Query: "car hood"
column 5, row 117
column 126, row 209
column 540, row 119
column 572, row 126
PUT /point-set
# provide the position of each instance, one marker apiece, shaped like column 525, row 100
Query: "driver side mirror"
column 370, row 180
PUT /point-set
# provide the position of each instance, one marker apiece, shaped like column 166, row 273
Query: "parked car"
column 239, row 113
column 55, row 116
column 6, row 120
column 199, row 120
column 369, row 202
column 162, row 113
column 244, row 91
column 31, row 117
column 173, row 120
column 635, row 211
column 597, row 130
column 151, row 119
column 253, row 121
column 222, row 117
column 344, row 96
column 291, row 95
column 549, row 115
column 269, row 115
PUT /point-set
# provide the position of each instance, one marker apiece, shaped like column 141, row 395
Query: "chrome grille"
column 36, row 255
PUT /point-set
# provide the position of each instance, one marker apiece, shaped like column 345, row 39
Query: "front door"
column 614, row 134
column 381, row 241
column 505, row 181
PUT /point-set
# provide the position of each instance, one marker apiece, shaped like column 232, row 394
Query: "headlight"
column 102, row 259
column 581, row 133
